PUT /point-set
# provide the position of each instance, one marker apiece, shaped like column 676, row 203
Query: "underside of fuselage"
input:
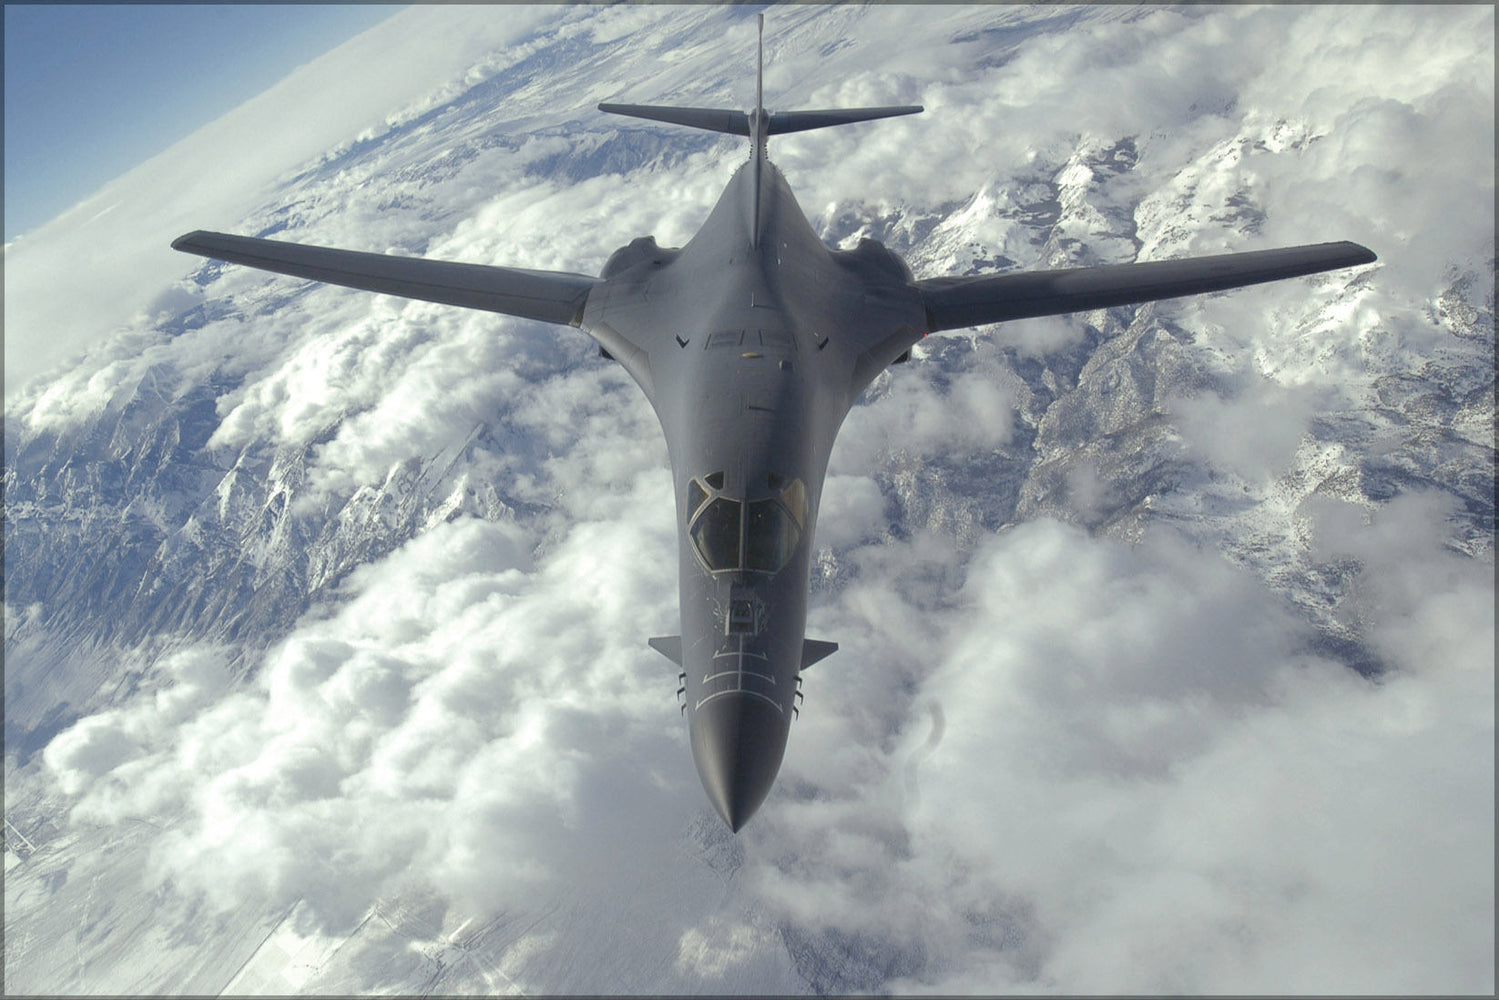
column 750, row 381
column 749, row 435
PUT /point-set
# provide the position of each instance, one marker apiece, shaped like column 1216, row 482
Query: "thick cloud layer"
column 1117, row 771
column 1044, row 758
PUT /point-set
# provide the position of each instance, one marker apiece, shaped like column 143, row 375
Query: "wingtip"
column 185, row 241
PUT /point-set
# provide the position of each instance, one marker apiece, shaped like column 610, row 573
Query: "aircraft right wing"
column 953, row 303
column 551, row 296
column 782, row 122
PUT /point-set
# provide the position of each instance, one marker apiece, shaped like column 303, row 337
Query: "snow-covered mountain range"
column 1166, row 632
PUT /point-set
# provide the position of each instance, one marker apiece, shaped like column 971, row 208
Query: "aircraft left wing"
column 953, row 303
column 550, row 296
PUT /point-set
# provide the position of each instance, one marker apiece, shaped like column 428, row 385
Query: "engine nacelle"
column 641, row 250
column 873, row 252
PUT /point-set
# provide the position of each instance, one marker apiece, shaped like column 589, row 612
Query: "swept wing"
column 551, row 296
column 952, row 303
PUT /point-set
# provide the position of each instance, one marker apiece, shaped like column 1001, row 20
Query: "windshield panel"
column 715, row 534
column 770, row 536
column 695, row 497
column 795, row 499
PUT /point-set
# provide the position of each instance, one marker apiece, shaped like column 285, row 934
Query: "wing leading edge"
column 953, row 303
column 550, row 296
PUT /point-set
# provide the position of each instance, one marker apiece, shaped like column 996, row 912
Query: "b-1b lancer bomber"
column 752, row 342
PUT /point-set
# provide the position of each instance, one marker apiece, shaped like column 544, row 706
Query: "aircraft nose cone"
column 738, row 741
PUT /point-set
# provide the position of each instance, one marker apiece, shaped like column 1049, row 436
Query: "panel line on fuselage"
column 741, row 692
column 740, row 674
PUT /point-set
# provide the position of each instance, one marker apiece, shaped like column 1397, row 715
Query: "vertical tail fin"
column 759, row 130
column 760, row 70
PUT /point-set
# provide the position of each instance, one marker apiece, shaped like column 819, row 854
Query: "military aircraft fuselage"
column 751, row 342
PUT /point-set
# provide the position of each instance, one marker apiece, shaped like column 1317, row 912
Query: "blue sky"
column 92, row 90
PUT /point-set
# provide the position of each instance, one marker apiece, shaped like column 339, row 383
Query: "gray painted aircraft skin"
column 752, row 343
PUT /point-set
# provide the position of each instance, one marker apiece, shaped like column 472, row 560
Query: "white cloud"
column 852, row 510
column 975, row 412
column 1426, row 606
column 1255, row 435
column 414, row 727
column 1116, row 773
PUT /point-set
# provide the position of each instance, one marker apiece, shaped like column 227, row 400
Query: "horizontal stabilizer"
column 669, row 646
column 550, row 296
column 782, row 122
column 738, row 122
column 953, row 303
column 711, row 119
column 816, row 649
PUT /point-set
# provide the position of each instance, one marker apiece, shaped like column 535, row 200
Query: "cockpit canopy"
column 759, row 535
